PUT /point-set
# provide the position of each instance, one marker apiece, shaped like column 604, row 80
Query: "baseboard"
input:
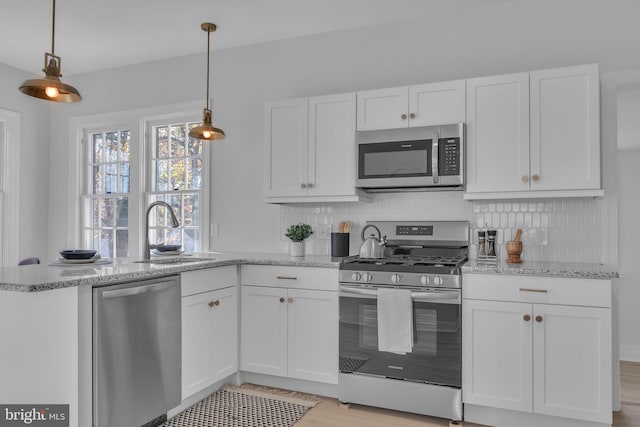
column 630, row 353
column 311, row 387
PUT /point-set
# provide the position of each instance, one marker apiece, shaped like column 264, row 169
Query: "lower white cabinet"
column 525, row 351
column 209, row 329
column 287, row 331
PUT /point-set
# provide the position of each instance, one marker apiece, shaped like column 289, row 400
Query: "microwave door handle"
column 434, row 158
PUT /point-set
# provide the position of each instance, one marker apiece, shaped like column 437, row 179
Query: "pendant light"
column 207, row 131
column 50, row 87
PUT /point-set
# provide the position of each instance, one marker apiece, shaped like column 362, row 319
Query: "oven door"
column 436, row 357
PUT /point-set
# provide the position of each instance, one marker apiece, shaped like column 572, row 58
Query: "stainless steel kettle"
column 372, row 247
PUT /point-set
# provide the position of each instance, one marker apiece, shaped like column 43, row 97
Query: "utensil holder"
column 339, row 245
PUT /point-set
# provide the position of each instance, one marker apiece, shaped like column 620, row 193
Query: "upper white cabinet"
column 538, row 345
column 412, row 106
column 310, row 149
column 534, row 134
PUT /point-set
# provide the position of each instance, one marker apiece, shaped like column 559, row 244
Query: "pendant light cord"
column 208, row 50
column 53, row 29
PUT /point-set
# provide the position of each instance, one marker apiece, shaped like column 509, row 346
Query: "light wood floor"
column 330, row 413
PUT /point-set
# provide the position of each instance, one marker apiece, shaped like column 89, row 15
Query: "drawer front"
column 324, row 279
column 544, row 290
column 209, row 279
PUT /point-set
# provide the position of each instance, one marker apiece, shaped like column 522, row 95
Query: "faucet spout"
column 146, row 252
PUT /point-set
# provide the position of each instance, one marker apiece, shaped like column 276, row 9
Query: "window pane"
column 108, row 212
column 98, row 149
column 123, row 212
column 106, row 243
column 195, row 145
column 111, row 145
column 191, row 242
column 162, row 141
column 191, row 210
column 162, row 175
column 111, row 179
column 178, row 139
column 95, row 208
column 125, row 145
column 98, row 180
column 194, row 174
column 122, row 242
column 173, row 236
column 178, row 174
column 125, row 177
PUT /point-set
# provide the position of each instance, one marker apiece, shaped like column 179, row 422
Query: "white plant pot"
column 296, row 249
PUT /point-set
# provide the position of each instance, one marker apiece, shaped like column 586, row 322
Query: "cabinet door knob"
column 303, row 185
column 211, row 303
column 412, row 116
column 527, row 317
column 281, row 299
column 310, row 185
column 525, row 178
column 289, row 300
column 535, row 177
column 216, row 302
column 538, row 319
column 403, row 117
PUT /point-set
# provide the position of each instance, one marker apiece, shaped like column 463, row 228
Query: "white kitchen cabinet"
column 534, row 134
column 209, row 328
column 288, row 331
column 310, row 149
column 412, row 106
column 525, row 349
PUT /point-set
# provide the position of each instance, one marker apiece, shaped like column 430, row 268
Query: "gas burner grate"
column 350, row 364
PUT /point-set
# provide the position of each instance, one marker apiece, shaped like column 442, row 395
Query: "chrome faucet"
column 146, row 255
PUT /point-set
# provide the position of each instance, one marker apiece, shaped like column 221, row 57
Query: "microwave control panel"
column 449, row 156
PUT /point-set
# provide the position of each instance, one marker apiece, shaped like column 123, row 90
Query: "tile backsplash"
column 568, row 230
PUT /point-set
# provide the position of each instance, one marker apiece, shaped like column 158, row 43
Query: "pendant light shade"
column 207, row 131
column 50, row 87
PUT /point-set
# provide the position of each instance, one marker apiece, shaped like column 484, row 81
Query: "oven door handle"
column 451, row 297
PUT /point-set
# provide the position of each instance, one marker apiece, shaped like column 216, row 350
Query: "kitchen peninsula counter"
column 43, row 277
column 544, row 269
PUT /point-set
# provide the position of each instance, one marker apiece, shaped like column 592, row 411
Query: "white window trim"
column 10, row 208
column 143, row 117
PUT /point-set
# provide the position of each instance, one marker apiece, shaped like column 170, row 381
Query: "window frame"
column 140, row 118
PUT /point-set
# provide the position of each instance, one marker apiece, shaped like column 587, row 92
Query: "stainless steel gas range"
column 400, row 320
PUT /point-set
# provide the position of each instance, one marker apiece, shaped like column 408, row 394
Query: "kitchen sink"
column 174, row 260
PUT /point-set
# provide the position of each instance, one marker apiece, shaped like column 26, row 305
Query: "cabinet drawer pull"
column 289, row 300
column 310, row 185
column 303, row 185
column 527, row 317
column 281, row 299
column 412, row 116
column 538, row 319
column 535, row 177
column 403, row 117
column 542, row 291
column 525, row 178
column 287, row 277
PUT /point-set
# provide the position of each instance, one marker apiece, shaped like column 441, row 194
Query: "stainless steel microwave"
column 411, row 159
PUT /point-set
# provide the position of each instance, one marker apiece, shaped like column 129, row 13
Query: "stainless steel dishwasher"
column 136, row 352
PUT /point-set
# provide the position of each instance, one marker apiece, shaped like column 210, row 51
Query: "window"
column 124, row 173
column 177, row 175
column 106, row 203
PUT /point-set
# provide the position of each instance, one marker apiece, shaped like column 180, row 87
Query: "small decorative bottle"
column 481, row 244
column 491, row 243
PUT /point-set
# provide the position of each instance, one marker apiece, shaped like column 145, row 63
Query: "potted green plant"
column 297, row 233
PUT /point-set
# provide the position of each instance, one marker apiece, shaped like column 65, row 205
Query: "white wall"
column 628, row 212
column 508, row 37
column 33, row 157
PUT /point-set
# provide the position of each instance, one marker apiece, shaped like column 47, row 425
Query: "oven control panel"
column 414, row 230
column 400, row 279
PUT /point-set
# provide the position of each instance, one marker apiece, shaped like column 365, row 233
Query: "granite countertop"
column 43, row 277
column 548, row 269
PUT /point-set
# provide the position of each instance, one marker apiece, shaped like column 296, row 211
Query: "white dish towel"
column 395, row 321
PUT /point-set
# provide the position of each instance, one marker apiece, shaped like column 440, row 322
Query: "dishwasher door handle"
column 136, row 290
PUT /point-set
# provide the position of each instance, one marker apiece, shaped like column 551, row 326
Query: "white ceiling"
column 101, row 34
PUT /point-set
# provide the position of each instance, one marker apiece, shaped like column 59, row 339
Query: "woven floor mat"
column 245, row 406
